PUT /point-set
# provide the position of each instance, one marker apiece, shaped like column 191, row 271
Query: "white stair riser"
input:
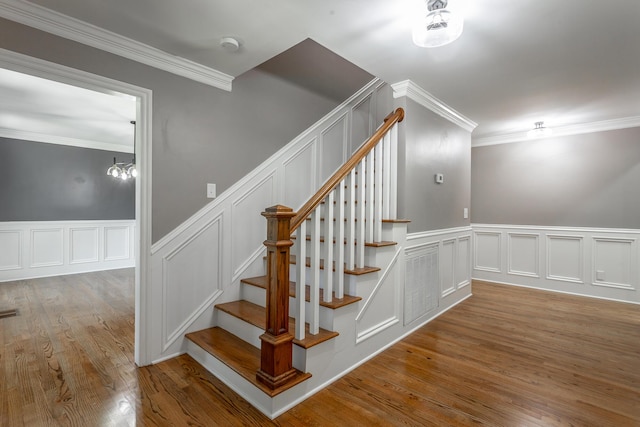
column 238, row 327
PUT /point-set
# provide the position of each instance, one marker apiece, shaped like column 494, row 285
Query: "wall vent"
column 421, row 282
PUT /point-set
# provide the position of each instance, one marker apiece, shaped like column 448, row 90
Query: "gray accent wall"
column 431, row 144
column 589, row 180
column 200, row 134
column 48, row 182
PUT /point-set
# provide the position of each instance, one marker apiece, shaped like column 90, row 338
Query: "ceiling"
column 568, row 63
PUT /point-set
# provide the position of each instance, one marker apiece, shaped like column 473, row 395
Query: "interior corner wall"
column 588, row 180
column 49, row 182
column 201, row 134
column 429, row 145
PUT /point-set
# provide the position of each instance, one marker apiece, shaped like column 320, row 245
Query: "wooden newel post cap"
column 278, row 211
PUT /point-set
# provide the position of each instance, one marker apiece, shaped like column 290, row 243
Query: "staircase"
column 295, row 321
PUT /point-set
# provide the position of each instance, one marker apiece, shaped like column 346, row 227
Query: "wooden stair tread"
column 397, row 221
column 370, row 244
column 355, row 272
column 261, row 282
column 257, row 316
column 240, row 356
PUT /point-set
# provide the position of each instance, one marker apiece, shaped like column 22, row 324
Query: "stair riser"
column 238, row 327
column 258, row 296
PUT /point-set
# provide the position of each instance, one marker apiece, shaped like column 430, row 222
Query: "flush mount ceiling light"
column 124, row 170
column 440, row 23
column 230, row 44
column 539, row 131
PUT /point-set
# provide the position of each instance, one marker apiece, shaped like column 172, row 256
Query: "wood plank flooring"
column 507, row 356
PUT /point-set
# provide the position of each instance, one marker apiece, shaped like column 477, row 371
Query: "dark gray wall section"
column 200, row 134
column 47, row 182
column 431, row 144
column 590, row 180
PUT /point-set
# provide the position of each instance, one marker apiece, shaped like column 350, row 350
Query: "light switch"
column 465, row 213
column 211, row 191
column 439, row 178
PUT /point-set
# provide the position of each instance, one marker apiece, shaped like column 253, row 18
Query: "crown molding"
column 577, row 129
column 63, row 140
column 416, row 93
column 73, row 29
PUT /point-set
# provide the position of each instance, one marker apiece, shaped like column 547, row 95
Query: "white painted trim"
column 70, row 28
column 581, row 262
column 416, row 93
column 577, row 129
column 557, row 229
column 436, row 233
column 510, row 270
column 144, row 114
column 63, row 140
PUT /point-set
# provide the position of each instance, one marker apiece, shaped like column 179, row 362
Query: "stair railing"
column 362, row 191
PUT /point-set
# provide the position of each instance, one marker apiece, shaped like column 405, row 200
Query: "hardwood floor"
column 507, row 356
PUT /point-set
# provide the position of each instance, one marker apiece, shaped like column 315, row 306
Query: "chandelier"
column 123, row 170
column 441, row 23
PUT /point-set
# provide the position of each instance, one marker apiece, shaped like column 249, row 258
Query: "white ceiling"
column 569, row 62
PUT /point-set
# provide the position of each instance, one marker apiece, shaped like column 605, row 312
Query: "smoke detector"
column 229, row 44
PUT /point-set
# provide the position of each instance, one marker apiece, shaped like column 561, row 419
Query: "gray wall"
column 47, row 182
column 200, row 134
column 431, row 144
column 590, row 180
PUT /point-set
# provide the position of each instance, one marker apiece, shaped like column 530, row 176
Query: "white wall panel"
column 361, row 127
column 248, row 226
column 524, row 254
column 333, row 146
column 10, row 249
column 601, row 263
column 298, row 175
column 447, row 267
column 463, row 262
column 613, row 262
column 84, row 245
column 565, row 258
column 488, row 253
column 30, row 249
column 47, row 247
column 422, row 282
column 116, row 243
column 192, row 275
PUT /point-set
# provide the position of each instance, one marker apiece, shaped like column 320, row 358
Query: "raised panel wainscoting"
column 595, row 262
column 32, row 249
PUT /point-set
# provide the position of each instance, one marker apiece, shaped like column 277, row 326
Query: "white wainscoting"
column 448, row 252
column 198, row 270
column 595, row 262
column 33, row 249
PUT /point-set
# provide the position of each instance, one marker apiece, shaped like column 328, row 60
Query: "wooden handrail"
column 302, row 214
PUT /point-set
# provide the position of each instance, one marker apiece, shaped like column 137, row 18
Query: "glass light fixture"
column 539, row 131
column 441, row 23
column 124, row 170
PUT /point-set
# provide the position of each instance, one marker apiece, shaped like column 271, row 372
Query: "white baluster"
column 377, row 230
column 301, row 271
column 340, row 243
column 393, row 202
column 360, row 235
column 351, row 221
column 328, row 247
column 370, row 196
column 386, row 177
column 314, row 292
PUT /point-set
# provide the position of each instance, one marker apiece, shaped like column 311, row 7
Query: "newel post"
column 276, row 367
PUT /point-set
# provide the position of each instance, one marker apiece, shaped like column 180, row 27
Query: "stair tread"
column 261, row 282
column 257, row 316
column 355, row 272
column 239, row 355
